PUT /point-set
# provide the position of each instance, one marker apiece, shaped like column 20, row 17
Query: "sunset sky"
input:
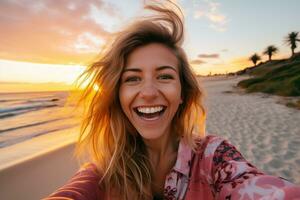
column 51, row 41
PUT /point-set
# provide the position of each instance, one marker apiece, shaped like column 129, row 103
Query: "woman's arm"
column 82, row 186
column 235, row 178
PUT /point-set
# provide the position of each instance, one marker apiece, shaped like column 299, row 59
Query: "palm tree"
column 254, row 58
column 292, row 39
column 270, row 51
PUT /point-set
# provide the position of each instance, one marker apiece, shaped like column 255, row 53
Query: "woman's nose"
column 149, row 91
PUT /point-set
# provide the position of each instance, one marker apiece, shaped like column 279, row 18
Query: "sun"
column 96, row 87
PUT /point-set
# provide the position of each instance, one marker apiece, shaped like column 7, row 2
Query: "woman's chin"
column 151, row 135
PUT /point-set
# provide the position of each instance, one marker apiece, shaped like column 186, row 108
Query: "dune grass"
column 294, row 104
column 281, row 77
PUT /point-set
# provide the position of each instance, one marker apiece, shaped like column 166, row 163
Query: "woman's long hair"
column 107, row 135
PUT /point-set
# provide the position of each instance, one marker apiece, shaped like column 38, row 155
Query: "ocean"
column 26, row 115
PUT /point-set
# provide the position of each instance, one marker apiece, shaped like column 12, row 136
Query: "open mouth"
column 150, row 112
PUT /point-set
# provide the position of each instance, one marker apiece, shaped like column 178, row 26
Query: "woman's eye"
column 165, row 77
column 132, row 79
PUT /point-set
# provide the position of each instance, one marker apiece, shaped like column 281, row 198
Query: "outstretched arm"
column 82, row 186
column 235, row 178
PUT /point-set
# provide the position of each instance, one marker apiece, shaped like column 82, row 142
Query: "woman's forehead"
column 153, row 54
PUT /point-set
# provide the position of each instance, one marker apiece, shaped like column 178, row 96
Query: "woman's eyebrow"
column 166, row 67
column 132, row 70
column 157, row 69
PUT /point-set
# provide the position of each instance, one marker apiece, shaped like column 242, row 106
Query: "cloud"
column 197, row 62
column 52, row 31
column 214, row 55
column 210, row 11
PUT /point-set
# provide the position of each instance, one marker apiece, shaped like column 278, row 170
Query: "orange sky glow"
column 46, row 45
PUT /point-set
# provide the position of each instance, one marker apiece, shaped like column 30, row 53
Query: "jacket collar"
column 183, row 161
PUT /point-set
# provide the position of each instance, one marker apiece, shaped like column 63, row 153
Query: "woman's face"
column 150, row 90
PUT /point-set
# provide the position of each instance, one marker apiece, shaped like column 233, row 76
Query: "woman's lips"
column 150, row 113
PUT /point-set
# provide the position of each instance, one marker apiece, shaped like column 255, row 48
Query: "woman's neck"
column 160, row 148
column 162, row 154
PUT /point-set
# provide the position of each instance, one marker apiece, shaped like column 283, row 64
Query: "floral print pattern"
column 219, row 171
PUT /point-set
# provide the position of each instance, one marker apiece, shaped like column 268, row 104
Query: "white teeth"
column 148, row 110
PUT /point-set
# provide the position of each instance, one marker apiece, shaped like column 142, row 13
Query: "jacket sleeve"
column 82, row 186
column 234, row 178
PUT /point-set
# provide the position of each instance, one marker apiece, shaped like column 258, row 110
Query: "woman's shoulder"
column 207, row 144
column 88, row 171
column 213, row 151
column 89, row 167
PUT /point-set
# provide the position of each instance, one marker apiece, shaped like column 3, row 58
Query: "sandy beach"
column 35, row 168
column 266, row 132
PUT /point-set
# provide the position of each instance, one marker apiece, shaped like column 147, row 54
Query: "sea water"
column 24, row 116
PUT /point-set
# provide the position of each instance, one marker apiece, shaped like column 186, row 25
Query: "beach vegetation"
column 291, row 40
column 293, row 104
column 280, row 77
column 270, row 51
column 254, row 58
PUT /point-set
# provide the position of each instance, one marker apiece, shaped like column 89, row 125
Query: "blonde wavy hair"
column 108, row 137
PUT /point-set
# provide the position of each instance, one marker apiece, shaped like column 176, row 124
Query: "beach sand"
column 35, row 168
column 266, row 132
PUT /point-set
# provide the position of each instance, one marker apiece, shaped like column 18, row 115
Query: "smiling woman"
column 150, row 93
column 144, row 130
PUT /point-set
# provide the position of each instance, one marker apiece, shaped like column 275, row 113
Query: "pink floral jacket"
column 216, row 170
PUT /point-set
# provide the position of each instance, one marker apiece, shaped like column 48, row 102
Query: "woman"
column 145, row 129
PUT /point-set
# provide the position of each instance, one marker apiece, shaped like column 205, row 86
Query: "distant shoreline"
column 27, row 92
column 19, row 87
